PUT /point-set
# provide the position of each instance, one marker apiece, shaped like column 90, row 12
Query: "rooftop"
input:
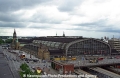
column 59, row 38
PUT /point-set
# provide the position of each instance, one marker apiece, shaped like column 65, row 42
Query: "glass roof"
column 51, row 44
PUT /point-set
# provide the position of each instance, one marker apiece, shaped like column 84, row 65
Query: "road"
column 5, row 69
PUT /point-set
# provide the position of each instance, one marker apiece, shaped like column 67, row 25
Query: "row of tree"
column 5, row 41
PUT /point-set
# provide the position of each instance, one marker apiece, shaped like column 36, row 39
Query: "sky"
column 87, row 18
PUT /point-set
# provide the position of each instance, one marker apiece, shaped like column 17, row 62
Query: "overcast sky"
column 88, row 18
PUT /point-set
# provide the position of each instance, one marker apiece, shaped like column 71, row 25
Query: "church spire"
column 14, row 34
column 14, row 31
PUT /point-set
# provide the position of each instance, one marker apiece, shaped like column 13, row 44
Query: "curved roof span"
column 60, row 45
column 76, row 41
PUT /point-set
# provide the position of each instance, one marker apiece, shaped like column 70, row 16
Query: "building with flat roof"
column 115, row 45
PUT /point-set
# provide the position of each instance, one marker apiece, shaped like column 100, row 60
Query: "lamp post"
column 79, row 64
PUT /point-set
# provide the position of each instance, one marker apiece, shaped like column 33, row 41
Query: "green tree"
column 1, row 41
column 8, row 41
column 24, row 66
column 25, row 70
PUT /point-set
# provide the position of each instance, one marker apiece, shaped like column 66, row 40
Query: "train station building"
column 64, row 46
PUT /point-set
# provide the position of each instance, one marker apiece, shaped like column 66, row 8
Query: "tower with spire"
column 14, row 34
column 14, row 37
column 15, row 42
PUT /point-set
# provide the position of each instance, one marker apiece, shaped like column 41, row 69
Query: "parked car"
column 35, row 60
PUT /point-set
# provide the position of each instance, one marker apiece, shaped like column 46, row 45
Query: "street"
column 14, row 62
column 5, row 67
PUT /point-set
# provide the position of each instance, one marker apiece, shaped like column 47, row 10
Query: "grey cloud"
column 12, row 5
column 46, row 20
column 7, row 7
column 12, row 25
column 69, row 5
column 78, row 28
column 111, row 30
column 98, row 26
column 98, row 23
column 40, row 27
column 8, row 17
column 42, row 18
column 37, row 18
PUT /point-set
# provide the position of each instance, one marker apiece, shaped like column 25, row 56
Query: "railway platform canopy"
column 111, row 74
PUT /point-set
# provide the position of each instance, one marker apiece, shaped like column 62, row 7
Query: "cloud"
column 100, row 16
column 13, row 5
column 96, row 26
column 12, row 25
column 68, row 5
column 98, row 23
column 8, row 17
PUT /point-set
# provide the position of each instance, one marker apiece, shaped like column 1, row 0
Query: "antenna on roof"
column 63, row 34
column 56, row 33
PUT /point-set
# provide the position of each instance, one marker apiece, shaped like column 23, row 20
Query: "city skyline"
column 87, row 18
